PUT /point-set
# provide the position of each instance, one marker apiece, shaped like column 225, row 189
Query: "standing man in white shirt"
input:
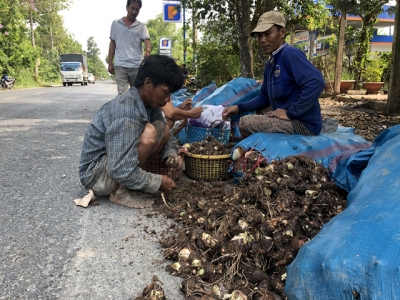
column 126, row 46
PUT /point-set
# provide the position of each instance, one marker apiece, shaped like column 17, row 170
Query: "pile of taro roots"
column 235, row 241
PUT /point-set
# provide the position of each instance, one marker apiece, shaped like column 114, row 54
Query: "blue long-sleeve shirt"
column 291, row 82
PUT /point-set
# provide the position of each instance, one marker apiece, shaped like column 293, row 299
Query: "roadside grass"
column 33, row 84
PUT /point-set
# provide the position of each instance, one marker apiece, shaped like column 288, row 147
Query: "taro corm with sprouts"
column 234, row 242
column 209, row 146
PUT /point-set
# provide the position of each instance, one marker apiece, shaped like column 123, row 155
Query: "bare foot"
column 125, row 197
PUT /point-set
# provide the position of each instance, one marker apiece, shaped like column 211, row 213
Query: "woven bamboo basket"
column 207, row 167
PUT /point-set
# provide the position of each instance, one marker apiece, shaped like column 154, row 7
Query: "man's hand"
column 196, row 112
column 278, row 113
column 175, row 162
column 167, row 184
column 111, row 68
column 229, row 111
column 186, row 105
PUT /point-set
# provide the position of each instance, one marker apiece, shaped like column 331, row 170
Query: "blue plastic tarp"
column 358, row 251
column 347, row 167
column 277, row 146
column 234, row 92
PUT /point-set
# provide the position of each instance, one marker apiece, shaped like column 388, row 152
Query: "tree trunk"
column 245, row 42
column 51, row 38
column 393, row 103
column 339, row 54
column 34, row 45
column 194, row 39
column 368, row 22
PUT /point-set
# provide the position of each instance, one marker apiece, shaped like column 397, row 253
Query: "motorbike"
column 7, row 84
column 192, row 80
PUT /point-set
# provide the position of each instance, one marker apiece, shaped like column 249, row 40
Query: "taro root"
column 210, row 146
column 237, row 295
column 184, row 254
column 243, row 238
column 209, row 240
column 263, row 295
column 153, row 291
column 297, row 241
column 220, row 290
column 254, row 216
column 206, row 272
column 168, row 242
column 254, row 274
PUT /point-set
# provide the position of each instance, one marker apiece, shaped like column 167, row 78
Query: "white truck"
column 74, row 69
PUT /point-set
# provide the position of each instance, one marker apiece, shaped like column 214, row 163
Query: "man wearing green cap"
column 290, row 88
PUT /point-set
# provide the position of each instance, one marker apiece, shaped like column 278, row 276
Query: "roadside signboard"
column 172, row 12
column 301, row 36
column 165, row 46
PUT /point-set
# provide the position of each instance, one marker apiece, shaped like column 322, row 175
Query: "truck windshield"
column 71, row 67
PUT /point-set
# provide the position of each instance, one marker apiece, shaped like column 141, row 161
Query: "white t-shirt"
column 129, row 43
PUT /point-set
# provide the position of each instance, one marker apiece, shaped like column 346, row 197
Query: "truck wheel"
column 64, row 84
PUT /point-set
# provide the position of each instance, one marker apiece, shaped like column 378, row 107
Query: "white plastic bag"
column 211, row 117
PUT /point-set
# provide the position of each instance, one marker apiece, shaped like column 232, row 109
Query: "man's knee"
column 242, row 128
column 243, row 133
column 149, row 136
column 154, row 133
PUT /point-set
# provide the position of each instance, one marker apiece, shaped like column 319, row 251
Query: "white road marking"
column 10, row 98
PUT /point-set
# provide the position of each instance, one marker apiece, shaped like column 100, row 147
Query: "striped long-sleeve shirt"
column 115, row 131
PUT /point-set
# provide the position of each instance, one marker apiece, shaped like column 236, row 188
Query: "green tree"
column 95, row 65
column 16, row 52
column 158, row 29
column 368, row 11
column 243, row 17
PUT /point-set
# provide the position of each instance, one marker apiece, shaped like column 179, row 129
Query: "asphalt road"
column 50, row 248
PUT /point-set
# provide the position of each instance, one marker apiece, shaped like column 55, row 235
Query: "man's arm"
column 257, row 103
column 310, row 81
column 122, row 139
column 182, row 125
column 147, row 47
column 111, row 53
column 177, row 114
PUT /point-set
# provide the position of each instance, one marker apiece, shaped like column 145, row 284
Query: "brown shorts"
column 262, row 123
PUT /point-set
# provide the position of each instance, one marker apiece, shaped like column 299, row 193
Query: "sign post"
column 165, row 46
column 174, row 13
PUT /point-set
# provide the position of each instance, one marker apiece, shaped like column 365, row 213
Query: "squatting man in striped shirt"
column 127, row 132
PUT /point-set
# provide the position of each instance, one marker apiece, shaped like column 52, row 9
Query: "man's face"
column 271, row 39
column 156, row 97
column 133, row 11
